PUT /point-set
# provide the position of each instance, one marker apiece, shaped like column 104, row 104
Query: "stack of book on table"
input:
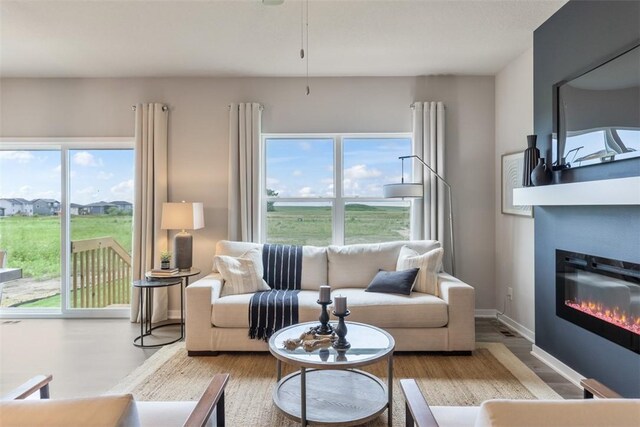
column 156, row 272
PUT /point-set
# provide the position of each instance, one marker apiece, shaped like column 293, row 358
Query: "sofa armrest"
column 461, row 302
column 200, row 295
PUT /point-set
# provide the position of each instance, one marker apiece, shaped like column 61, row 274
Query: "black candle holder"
column 325, row 328
column 341, row 331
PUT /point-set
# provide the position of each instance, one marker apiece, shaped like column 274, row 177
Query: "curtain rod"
column 164, row 108
column 261, row 107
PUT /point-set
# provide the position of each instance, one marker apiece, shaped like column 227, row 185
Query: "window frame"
column 338, row 201
column 64, row 145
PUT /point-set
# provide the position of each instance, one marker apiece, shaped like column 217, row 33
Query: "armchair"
column 609, row 410
column 117, row 410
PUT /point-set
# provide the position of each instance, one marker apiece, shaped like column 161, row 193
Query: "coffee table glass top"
column 368, row 344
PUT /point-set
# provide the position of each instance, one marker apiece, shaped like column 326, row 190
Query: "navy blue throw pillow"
column 393, row 282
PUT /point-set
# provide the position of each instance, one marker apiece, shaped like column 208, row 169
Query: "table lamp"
column 182, row 216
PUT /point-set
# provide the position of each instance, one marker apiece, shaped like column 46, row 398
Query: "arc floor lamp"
column 415, row 190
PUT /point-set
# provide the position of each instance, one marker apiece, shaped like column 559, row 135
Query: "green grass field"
column 33, row 243
column 311, row 225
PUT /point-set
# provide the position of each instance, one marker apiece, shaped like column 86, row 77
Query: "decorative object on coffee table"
column 531, row 156
column 341, row 332
column 325, row 328
column 541, row 174
column 182, row 216
column 512, row 178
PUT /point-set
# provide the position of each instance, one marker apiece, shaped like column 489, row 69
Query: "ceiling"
column 84, row 38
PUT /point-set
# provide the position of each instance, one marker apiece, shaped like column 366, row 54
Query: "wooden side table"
column 147, row 287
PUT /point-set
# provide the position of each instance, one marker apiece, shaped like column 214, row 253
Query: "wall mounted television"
column 597, row 113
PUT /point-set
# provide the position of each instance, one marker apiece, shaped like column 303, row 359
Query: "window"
column 321, row 190
column 66, row 221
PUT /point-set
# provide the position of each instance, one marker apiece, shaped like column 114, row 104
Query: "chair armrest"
column 200, row 295
column 417, row 408
column 213, row 397
column 37, row 383
column 595, row 388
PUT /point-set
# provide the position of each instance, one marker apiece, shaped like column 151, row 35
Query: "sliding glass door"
column 66, row 214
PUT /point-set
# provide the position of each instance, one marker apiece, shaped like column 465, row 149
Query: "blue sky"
column 96, row 175
column 304, row 167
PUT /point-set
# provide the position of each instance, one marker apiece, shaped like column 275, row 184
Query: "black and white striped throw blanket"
column 272, row 310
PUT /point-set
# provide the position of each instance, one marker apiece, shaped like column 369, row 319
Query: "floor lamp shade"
column 409, row 190
column 182, row 216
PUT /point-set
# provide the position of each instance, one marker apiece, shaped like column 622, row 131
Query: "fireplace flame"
column 611, row 315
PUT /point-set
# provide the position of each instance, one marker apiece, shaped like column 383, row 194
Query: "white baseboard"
column 486, row 312
column 526, row 333
column 558, row 366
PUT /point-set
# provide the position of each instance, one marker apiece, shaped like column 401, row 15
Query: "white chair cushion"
column 429, row 263
column 455, row 416
column 102, row 411
column 354, row 266
column 417, row 310
column 243, row 274
column 167, row 414
column 560, row 413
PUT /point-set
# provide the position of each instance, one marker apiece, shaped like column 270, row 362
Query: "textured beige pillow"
column 429, row 264
column 243, row 274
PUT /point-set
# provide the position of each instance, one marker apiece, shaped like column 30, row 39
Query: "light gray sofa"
column 418, row 322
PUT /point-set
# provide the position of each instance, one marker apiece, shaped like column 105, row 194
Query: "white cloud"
column 361, row 172
column 84, row 158
column 57, row 169
column 297, row 173
column 86, row 190
column 306, row 146
column 102, row 175
column 306, row 192
column 123, row 190
column 18, row 156
column 272, row 182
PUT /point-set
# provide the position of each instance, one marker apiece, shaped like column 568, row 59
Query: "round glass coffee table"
column 327, row 389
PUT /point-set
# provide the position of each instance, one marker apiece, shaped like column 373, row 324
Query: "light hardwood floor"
column 89, row 356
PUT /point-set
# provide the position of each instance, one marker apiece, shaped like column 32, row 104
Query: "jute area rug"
column 491, row 372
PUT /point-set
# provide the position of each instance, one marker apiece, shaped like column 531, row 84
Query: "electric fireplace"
column 601, row 295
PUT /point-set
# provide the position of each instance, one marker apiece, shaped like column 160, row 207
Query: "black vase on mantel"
column 541, row 174
column 531, row 156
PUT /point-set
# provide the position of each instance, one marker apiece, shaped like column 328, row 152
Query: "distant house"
column 97, row 208
column 16, row 206
column 46, row 207
column 123, row 206
column 75, row 209
column 1, row 211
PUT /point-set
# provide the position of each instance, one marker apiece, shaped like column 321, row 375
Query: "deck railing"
column 100, row 273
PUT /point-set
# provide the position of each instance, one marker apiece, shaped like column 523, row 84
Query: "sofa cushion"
column 394, row 282
column 243, row 274
column 102, row 411
column 455, row 416
column 314, row 261
column 565, row 413
column 417, row 310
column 429, row 264
column 233, row 311
column 354, row 266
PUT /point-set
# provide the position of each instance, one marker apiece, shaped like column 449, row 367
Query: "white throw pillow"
column 429, row 264
column 243, row 274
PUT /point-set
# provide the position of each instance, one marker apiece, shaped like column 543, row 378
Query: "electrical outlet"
column 510, row 293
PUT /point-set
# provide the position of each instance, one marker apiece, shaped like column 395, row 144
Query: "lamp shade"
column 182, row 216
column 410, row 190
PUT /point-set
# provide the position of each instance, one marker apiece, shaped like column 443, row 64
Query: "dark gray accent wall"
column 579, row 36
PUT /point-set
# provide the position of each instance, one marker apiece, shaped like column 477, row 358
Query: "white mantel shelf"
column 619, row 191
